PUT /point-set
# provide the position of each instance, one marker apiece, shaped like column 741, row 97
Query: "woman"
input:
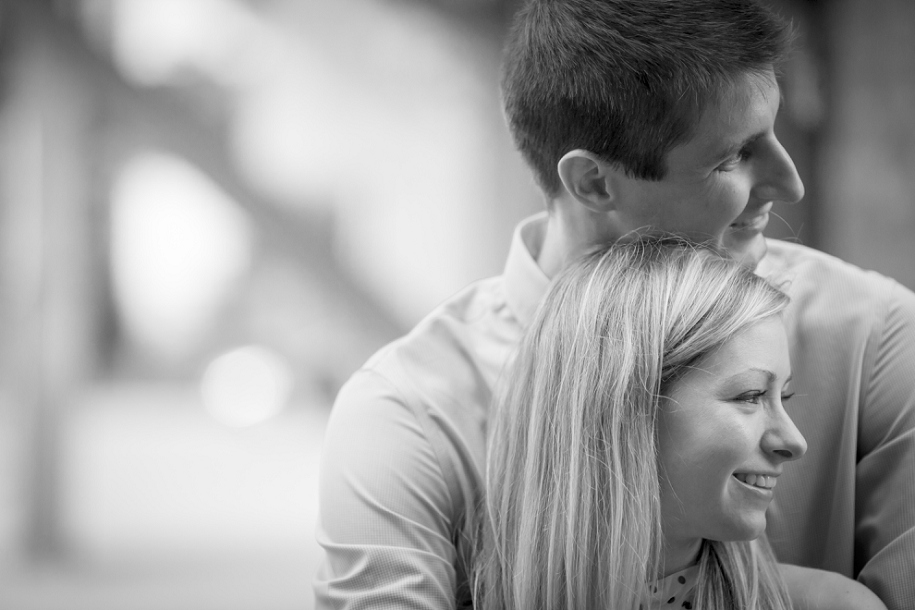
column 639, row 439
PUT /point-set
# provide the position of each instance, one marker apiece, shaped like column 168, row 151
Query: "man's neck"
column 567, row 237
column 554, row 251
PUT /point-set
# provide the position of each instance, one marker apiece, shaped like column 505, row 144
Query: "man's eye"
column 733, row 162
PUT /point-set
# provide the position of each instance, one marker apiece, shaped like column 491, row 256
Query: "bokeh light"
column 246, row 386
column 179, row 245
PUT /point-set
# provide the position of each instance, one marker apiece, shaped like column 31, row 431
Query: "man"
column 633, row 116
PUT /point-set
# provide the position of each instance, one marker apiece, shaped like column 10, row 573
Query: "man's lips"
column 756, row 221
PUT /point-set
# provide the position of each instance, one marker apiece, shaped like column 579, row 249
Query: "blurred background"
column 213, row 211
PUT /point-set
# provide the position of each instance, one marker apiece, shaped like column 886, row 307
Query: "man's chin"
column 747, row 250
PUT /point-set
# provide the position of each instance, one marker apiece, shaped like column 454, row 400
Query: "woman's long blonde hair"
column 571, row 513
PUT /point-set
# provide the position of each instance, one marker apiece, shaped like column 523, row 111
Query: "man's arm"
column 885, row 478
column 385, row 508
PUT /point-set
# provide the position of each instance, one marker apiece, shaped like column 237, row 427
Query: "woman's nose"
column 783, row 439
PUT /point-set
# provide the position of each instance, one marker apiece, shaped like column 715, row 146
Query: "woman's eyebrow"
column 770, row 376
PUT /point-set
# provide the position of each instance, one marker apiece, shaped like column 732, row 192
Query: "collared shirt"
column 676, row 591
column 405, row 446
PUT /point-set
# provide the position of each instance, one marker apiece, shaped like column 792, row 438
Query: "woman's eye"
column 751, row 397
column 787, row 396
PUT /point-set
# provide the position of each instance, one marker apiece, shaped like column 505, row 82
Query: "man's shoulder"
column 831, row 295
column 430, row 390
column 454, row 354
column 806, row 270
column 800, row 258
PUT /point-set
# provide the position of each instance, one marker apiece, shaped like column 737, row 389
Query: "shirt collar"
column 525, row 283
column 675, row 591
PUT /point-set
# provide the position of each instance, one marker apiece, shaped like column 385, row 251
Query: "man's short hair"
column 627, row 79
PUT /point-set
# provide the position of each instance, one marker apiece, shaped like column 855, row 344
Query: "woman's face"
column 723, row 438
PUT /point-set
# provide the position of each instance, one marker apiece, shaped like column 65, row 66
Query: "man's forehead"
column 744, row 88
column 738, row 116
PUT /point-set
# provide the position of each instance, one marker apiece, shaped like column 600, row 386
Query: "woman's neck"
column 679, row 555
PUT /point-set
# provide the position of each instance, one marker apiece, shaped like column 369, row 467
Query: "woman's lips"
column 756, row 480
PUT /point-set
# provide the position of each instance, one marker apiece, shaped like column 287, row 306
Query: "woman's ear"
column 589, row 180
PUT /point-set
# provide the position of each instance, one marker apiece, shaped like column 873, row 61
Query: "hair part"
column 571, row 512
column 627, row 80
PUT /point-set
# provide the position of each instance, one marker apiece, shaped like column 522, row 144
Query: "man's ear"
column 590, row 180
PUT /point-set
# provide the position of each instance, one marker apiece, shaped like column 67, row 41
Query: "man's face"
column 721, row 184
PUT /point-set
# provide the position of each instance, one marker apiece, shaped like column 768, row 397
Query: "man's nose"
column 777, row 177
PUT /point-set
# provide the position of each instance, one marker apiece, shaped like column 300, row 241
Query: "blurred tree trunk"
column 48, row 276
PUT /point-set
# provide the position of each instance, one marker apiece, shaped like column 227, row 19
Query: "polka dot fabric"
column 676, row 591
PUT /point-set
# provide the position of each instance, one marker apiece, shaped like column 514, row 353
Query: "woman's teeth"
column 756, row 480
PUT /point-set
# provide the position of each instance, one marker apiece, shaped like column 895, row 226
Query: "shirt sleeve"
column 384, row 508
column 885, row 486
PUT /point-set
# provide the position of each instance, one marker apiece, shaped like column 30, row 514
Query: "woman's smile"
column 760, row 481
column 723, row 435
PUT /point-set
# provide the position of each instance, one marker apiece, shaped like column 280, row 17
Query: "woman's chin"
column 741, row 528
column 750, row 529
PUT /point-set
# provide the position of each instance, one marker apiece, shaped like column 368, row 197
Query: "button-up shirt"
column 405, row 446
